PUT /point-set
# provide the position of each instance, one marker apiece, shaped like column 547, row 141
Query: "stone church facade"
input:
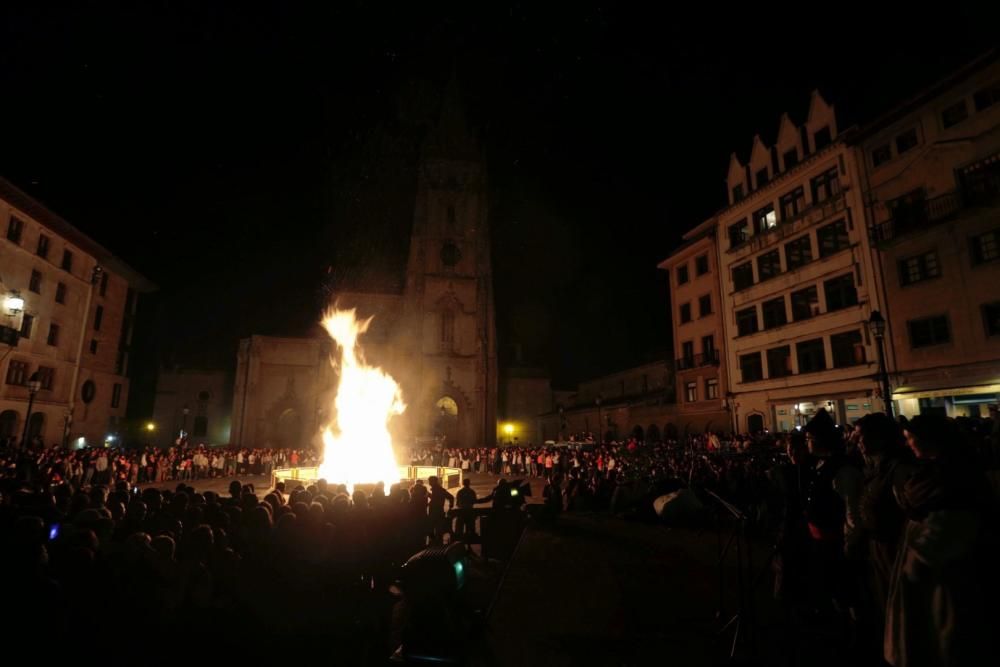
column 437, row 337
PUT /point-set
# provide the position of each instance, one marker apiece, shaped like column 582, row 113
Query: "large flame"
column 357, row 447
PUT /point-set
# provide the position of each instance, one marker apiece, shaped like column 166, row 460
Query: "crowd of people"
column 884, row 530
column 107, row 465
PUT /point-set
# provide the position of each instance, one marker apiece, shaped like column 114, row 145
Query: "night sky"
column 250, row 160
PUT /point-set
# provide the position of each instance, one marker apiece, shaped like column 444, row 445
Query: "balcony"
column 697, row 361
column 918, row 215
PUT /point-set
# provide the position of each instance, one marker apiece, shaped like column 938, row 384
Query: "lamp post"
column 876, row 324
column 600, row 424
column 34, row 384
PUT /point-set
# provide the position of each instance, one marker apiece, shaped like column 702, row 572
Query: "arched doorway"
column 755, row 422
column 653, row 433
column 446, row 420
column 638, row 433
column 289, row 429
column 36, row 425
column 8, row 424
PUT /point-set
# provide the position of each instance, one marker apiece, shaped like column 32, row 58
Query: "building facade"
column 797, row 282
column 699, row 340
column 635, row 402
column 932, row 188
column 436, row 337
column 197, row 402
column 73, row 305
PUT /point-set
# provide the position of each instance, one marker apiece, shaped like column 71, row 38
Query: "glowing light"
column 508, row 429
column 357, row 447
column 14, row 304
column 150, row 426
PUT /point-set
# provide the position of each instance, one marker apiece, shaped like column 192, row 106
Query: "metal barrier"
column 451, row 478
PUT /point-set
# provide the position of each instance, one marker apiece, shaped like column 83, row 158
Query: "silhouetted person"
column 436, row 511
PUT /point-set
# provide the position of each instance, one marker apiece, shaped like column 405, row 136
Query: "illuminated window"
column 711, row 388
column 764, row 219
column 691, row 392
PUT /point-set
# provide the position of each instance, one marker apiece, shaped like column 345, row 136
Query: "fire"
column 357, row 447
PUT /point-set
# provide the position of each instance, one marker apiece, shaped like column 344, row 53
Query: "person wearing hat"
column 832, row 505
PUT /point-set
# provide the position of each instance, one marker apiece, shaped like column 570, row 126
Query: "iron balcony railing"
column 698, row 360
column 917, row 215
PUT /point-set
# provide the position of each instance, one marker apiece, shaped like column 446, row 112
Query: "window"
column 53, row 338
column 840, row 292
column 104, row 283
column 881, row 155
column 98, row 318
column 906, row 141
column 67, row 261
column 15, row 228
column 738, row 233
column 768, row 265
column 811, row 356
column 17, row 372
column 847, row 349
column 43, row 246
column 711, row 388
column 746, row 321
column 792, row 204
column 701, row 265
column 687, row 353
column 986, row 247
column 35, row 284
column 954, row 114
column 798, row 252
column 708, row 347
column 750, row 367
column 738, row 193
column 691, row 392
column 764, row 219
column 116, row 395
column 774, row 313
column 93, row 346
column 27, row 322
column 986, row 97
column 791, row 158
column 928, row 331
column 682, row 274
column 825, row 186
column 991, row 318
column 685, row 313
column 447, row 327
column 832, row 238
column 47, row 376
column 922, row 267
column 805, row 304
column 60, row 293
column 779, row 362
column 822, row 138
column 761, row 178
column 743, row 276
column 705, row 305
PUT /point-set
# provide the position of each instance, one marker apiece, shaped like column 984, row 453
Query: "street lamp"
column 600, row 424
column 34, row 384
column 14, row 303
column 876, row 323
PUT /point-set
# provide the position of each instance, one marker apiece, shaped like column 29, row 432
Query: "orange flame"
column 357, row 447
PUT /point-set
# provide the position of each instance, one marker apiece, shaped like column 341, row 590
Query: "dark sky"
column 247, row 159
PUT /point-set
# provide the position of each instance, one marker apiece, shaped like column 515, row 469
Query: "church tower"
column 448, row 300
